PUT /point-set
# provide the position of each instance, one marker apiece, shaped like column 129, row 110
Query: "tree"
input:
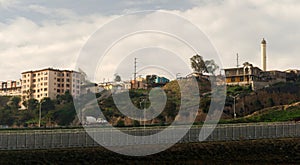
column 198, row 64
column 31, row 104
column 201, row 66
column 211, row 66
column 13, row 102
column 117, row 78
column 47, row 104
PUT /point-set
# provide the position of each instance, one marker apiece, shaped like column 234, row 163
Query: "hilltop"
column 267, row 104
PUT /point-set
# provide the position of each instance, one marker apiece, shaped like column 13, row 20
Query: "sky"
column 37, row 34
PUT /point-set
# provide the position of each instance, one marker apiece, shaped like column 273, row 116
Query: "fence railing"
column 67, row 138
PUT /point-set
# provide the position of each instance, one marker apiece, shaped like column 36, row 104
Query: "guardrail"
column 67, row 138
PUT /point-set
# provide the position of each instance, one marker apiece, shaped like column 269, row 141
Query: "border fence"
column 69, row 138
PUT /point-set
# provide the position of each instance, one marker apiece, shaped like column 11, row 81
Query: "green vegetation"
column 235, row 90
column 59, row 112
column 271, row 115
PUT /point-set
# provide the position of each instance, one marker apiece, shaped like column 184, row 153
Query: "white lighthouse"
column 263, row 55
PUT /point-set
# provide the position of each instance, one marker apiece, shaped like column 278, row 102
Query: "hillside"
column 279, row 113
column 249, row 102
column 169, row 113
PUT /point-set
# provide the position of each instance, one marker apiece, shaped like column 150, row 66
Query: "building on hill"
column 50, row 83
column 242, row 75
column 114, row 85
column 292, row 74
column 156, row 81
column 139, row 83
column 253, row 76
column 10, row 88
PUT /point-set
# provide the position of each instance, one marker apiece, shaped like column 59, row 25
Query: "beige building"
column 10, row 88
column 50, row 83
column 253, row 76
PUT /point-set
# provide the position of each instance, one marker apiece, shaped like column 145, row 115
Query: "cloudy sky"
column 36, row 34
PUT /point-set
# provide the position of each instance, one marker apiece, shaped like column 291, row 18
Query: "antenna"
column 237, row 60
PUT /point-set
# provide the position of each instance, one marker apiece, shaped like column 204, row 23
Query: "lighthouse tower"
column 263, row 55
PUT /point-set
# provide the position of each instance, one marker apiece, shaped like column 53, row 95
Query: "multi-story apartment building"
column 10, row 88
column 50, row 83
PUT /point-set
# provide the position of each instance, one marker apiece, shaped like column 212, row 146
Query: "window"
column 45, row 89
column 62, row 85
column 24, row 81
column 42, row 78
column 46, row 78
column 62, row 91
column 58, row 90
column 68, row 85
column 34, row 75
column 34, row 80
column 62, row 80
column 58, row 79
column 45, row 83
column 58, row 85
column 68, row 75
column 241, row 78
column 232, row 79
column 68, row 80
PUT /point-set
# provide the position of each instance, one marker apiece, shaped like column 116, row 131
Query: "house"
column 248, row 75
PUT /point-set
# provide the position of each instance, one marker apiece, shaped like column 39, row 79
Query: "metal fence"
column 67, row 138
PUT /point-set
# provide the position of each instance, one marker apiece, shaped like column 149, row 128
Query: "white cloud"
column 7, row 3
column 232, row 26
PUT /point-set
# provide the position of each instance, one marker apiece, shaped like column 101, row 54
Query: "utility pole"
column 134, row 79
column 237, row 60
